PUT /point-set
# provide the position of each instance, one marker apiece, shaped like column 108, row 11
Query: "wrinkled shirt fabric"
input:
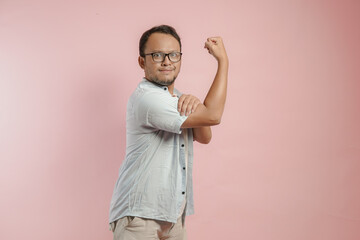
column 154, row 179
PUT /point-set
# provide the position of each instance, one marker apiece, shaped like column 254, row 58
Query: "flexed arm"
column 188, row 104
column 210, row 113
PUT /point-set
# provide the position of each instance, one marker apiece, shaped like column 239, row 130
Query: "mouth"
column 166, row 70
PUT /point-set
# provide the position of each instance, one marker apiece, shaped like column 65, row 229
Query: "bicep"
column 200, row 118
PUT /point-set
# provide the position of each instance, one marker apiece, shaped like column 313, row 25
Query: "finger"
column 184, row 105
column 181, row 101
column 208, row 44
column 212, row 40
column 190, row 106
column 195, row 105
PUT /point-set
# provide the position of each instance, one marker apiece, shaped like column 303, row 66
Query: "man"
column 154, row 193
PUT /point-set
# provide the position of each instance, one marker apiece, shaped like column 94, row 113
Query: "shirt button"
column 165, row 88
column 182, row 145
column 183, row 192
column 184, row 168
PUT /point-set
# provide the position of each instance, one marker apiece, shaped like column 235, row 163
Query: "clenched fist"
column 215, row 46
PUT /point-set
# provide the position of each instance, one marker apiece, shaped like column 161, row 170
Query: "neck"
column 171, row 88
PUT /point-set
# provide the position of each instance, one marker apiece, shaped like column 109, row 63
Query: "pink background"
column 284, row 163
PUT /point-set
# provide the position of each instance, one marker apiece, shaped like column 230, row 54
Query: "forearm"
column 202, row 134
column 215, row 99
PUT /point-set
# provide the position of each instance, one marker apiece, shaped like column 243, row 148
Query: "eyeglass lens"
column 159, row 57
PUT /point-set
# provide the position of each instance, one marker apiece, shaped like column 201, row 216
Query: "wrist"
column 223, row 62
column 223, row 59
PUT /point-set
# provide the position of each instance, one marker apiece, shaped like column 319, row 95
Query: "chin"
column 164, row 82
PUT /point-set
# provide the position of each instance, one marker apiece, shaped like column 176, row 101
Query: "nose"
column 166, row 61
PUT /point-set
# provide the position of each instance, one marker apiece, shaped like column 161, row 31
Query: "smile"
column 166, row 71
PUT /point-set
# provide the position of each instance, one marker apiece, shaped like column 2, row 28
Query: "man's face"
column 165, row 72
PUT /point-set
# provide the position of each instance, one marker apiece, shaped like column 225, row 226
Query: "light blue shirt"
column 152, row 179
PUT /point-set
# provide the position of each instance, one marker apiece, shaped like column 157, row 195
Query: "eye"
column 174, row 54
column 157, row 55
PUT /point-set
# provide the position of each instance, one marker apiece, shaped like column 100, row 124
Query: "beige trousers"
column 135, row 228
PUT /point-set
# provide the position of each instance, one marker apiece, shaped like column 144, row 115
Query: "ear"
column 141, row 61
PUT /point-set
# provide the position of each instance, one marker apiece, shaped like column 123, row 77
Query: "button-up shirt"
column 154, row 179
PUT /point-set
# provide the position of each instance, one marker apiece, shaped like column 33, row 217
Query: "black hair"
column 157, row 29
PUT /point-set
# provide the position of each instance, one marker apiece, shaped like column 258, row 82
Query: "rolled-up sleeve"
column 159, row 111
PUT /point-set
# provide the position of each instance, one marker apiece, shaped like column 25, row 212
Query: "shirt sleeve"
column 159, row 111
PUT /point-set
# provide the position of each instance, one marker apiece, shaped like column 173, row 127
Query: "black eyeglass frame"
column 165, row 55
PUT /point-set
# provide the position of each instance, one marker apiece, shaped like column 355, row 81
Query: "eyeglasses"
column 160, row 57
